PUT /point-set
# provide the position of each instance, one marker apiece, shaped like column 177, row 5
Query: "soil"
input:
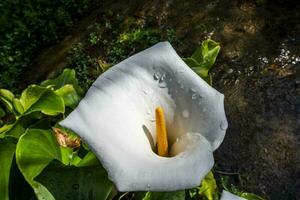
column 258, row 70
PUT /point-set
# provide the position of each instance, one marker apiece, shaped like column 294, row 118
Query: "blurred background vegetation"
column 29, row 26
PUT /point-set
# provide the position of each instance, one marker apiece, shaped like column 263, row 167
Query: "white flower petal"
column 117, row 119
column 228, row 196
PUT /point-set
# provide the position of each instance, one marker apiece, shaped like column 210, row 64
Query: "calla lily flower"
column 118, row 120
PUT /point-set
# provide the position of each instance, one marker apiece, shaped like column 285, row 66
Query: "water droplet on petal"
column 162, row 78
column 194, row 96
column 185, row 113
column 145, row 91
column 224, row 125
column 152, row 120
column 162, row 84
column 156, row 76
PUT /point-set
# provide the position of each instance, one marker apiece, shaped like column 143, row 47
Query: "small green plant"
column 81, row 62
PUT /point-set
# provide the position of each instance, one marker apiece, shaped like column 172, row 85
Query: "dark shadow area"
column 149, row 136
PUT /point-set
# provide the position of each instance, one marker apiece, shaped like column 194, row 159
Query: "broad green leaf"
column 176, row 195
column 251, row 196
column 208, row 188
column 32, row 161
column 7, row 151
column 18, row 106
column 76, row 183
column 49, row 104
column 66, row 77
column 36, row 98
column 203, row 59
column 74, row 177
column 31, row 95
column 6, row 97
column 69, row 95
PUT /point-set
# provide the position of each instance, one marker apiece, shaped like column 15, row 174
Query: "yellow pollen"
column 161, row 133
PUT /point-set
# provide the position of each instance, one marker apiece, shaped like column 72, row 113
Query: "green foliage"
column 177, row 195
column 32, row 161
column 203, row 59
column 28, row 26
column 235, row 190
column 81, row 62
column 7, row 150
column 49, row 167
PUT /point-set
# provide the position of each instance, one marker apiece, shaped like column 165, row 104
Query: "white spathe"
column 229, row 196
column 117, row 119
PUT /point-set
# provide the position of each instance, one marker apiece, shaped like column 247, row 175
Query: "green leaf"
column 176, row 195
column 18, row 128
column 6, row 97
column 18, row 106
column 208, row 187
column 32, row 161
column 55, row 172
column 7, row 151
column 36, row 98
column 2, row 113
column 203, row 59
column 69, row 95
column 76, row 183
column 66, row 77
column 251, row 196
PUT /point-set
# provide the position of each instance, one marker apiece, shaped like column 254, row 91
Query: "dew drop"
column 224, row 125
column 194, row 96
column 185, row 113
column 177, row 140
column 162, row 84
column 152, row 120
column 156, row 76
column 162, row 78
column 148, row 186
column 145, row 91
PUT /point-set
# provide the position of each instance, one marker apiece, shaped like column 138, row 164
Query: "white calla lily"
column 117, row 119
column 229, row 196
